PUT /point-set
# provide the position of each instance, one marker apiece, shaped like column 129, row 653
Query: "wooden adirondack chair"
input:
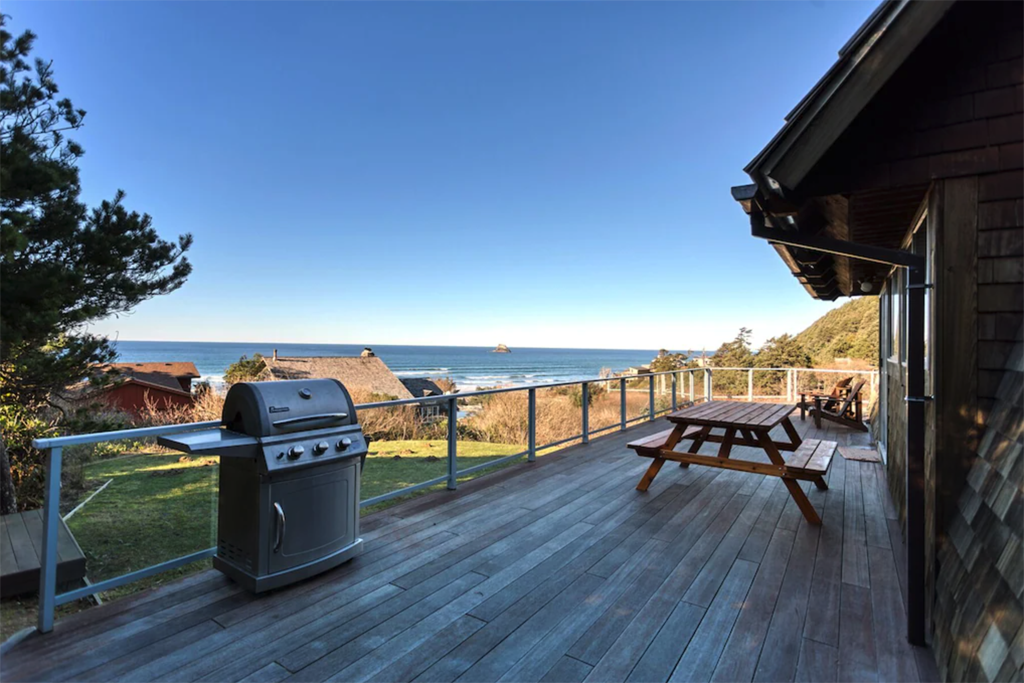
column 849, row 412
column 831, row 399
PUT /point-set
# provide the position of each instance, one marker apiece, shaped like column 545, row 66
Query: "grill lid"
column 287, row 406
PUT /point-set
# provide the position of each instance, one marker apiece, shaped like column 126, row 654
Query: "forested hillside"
column 850, row 331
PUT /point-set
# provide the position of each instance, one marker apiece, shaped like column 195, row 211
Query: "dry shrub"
column 206, row 405
column 400, row 423
column 447, row 385
column 558, row 418
column 504, row 418
column 606, row 411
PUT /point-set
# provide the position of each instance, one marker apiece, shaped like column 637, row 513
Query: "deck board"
column 553, row 571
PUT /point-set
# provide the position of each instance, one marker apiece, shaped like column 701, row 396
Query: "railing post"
column 789, row 386
column 691, row 386
column 675, row 382
column 586, row 412
column 622, row 403
column 453, row 443
column 48, row 556
column 750, row 385
column 707, row 384
column 650, row 395
column 531, row 426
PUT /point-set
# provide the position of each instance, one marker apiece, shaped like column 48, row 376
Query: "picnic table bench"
column 743, row 424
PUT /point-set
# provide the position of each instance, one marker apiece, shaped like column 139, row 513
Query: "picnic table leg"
column 673, row 440
column 650, row 474
column 820, row 483
column 792, row 433
column 726, row 448
column 797, row 493
column 697, row 443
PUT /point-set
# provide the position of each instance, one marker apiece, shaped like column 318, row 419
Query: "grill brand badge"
column 279, row 409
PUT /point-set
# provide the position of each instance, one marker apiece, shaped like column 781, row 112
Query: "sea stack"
column 502, row 349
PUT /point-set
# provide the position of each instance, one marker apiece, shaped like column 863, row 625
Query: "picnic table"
column 741, row 424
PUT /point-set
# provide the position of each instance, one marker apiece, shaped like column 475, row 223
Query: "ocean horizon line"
column 429, row 346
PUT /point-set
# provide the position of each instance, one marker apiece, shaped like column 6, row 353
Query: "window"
column 884, row 325
column 921, row 245
column 894, row 308
column 896, row 323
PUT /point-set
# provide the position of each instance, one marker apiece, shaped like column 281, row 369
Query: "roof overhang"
column 865, row 64
column 817, row 259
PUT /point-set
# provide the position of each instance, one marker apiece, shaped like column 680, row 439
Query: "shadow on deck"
column 555, row 571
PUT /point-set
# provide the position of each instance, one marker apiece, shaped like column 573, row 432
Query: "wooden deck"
column 557, row 571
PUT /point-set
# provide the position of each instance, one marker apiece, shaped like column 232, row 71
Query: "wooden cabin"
column 899, row 176
column 162, row 385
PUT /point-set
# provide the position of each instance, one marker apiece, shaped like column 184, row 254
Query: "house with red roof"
column 163, row 385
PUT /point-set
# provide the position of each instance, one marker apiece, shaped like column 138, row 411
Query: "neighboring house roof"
column 164, row 375
column 366, row 373
column 421, row 386
column 865, row 63
column 176, row 389
column 158, row 376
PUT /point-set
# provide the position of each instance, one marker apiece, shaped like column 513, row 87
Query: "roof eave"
column 151, row 385
column 865, row 64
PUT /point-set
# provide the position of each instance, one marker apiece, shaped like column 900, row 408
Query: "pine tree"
column 64, row 266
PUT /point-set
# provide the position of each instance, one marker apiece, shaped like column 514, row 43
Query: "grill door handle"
column 280, row 527
column 288, row 422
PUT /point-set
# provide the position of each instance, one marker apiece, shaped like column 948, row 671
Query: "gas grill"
column 291, row 453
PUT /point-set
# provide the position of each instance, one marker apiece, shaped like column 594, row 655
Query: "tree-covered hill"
column 850, row 331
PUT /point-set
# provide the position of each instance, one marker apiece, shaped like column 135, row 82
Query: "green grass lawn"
column 160, row 506
column 393, row 465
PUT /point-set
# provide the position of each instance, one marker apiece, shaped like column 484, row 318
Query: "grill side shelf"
column 222, row 442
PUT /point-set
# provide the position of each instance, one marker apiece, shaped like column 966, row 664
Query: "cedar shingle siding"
column 979, row 621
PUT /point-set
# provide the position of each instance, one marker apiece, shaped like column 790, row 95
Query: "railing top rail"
column 144, row 432
column 121, row 434
column 521, row 387
column 716, row 369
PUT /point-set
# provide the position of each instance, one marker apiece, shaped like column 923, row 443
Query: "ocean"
column 470, row 367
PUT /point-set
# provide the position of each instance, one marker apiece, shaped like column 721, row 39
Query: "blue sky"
column 539, row 174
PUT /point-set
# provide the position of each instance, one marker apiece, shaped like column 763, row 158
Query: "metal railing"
column 49, row 599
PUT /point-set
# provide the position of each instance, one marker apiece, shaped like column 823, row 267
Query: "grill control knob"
column 344, row 443
column 295, row 452
column 320, row 448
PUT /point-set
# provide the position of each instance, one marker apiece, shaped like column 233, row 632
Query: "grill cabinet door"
column 320, row 515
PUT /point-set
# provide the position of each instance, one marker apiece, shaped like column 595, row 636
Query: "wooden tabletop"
column 742, row 414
